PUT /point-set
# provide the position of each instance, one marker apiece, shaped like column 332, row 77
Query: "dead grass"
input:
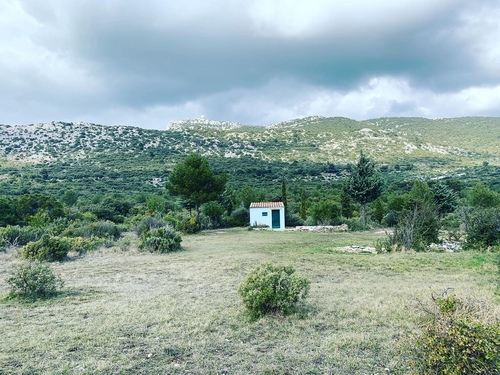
column 125, row 312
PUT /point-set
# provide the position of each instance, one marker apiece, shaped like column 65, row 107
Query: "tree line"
column 196, row 197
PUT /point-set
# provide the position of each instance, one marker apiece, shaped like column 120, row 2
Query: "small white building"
column 271, row 214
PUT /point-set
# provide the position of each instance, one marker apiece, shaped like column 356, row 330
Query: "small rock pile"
column 322, row 228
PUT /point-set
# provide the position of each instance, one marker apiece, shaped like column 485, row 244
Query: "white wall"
column 257, row 217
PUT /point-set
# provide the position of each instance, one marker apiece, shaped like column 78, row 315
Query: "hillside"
column 308, row 149
column 459, row 141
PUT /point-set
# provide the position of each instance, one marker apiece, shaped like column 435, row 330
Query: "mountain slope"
column 456, row 142
column 311, row 152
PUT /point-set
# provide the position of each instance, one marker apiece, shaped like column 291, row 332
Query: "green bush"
column 355, row 225
column 146, row 223
column 160, row 240
column 82, row 245
column 240, row 217
column 19, row 236
column 100, row 229
column 47, row 248
column 456, row 340
column 482, row 228
column 188, row 225
column 32, row 281
column 272, row 289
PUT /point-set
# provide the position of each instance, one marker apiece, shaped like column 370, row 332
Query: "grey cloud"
column 223, row 54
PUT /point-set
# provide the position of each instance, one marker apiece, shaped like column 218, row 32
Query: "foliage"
column 70, row 198
column 240, row 217
column 214, row 212
column 145, row 223
column 481, row 196
column 30, row 204
column 355, row 225
column 188, row 225
column 48, row 248
column 346, row 202
column 378, row 210
column 446, row 198
column 284, row 197
column 33, row 280
column 160, row 240
column 272, row 289
column 303, row 210
column 482, row 226
column 7, row 211
column 326, row 212
column 364, row 183
column 194, row 180
column 418, row 224
column 456, row 340
column 112, row 207
column 99, row 229
column 247, row 195
column 156, row 204
column 19, row 236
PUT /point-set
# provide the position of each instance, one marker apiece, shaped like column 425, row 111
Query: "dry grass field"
column 126, row 312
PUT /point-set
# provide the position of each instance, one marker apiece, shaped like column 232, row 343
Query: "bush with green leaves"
column 100, row 229
column 482, row 226
column 273, row 289
column 160, row 240
column 15, row 235
column 456, row 340
column 33, row 280
column 145, row 223
column 188, row 225
column 240, row 217
column 48, row 248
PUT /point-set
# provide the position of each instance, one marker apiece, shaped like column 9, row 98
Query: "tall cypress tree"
column 364, row 183
column 303, row 212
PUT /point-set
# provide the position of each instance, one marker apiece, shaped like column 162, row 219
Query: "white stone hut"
column 271, row 214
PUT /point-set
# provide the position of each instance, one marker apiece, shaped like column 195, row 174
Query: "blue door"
column 276, row 219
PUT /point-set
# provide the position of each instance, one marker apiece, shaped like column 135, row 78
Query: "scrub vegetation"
column 124, row 250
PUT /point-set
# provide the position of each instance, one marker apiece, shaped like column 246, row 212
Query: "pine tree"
column 193, row 179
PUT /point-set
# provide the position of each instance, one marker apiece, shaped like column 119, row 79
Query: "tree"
column 247, row 195
column 378, row 210
column 418, row 223
column 194, row 180
column 481, row 196
column 364, row 183
column 303, row 212
column 283, row 193
column 346, row 202
column 446, row 199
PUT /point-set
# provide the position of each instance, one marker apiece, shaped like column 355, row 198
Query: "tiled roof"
column 266, row 204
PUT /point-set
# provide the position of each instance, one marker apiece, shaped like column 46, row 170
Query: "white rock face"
column 202, row 122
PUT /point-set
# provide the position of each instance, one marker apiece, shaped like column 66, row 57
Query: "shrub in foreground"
column 33, row 280
column 47, row 248
column 457, row 341
column 272, row 289
column 160, row 240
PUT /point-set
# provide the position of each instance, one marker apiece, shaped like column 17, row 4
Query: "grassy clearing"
column 125, row 312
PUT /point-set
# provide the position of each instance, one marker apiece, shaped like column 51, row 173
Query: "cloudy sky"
column 145, row 63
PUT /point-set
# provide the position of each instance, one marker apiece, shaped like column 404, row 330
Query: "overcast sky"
column 145, row 63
